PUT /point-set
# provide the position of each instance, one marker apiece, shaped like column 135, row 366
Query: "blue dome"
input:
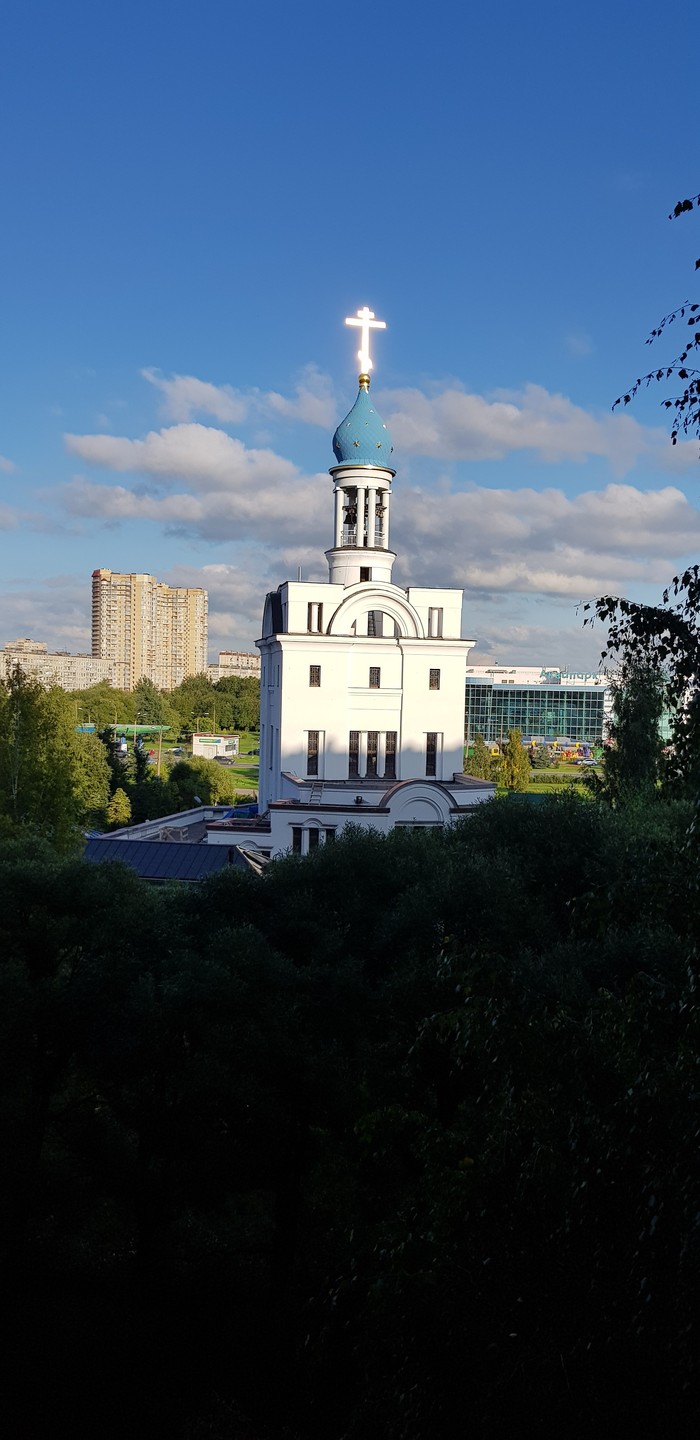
column 362, row 437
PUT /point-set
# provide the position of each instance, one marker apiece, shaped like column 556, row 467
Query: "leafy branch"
column 687, row 403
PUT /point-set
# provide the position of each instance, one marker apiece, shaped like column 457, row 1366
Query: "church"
column 362, row 682
column 361, row 691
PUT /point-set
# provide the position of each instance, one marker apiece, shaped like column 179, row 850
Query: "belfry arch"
column 368, row 599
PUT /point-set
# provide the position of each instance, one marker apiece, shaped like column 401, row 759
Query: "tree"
column 686, row 405
column 480, row 763
column 238, row 702
column 119, row 810
column 212, row 783
column 632, row 765
column 153, row 707
column 103, row 705
column 515, row 765
column 91, row 782
column 38, row 757
column 194, row 699
column 663, row 640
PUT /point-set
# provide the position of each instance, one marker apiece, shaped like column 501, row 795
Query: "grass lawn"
column 570, row 775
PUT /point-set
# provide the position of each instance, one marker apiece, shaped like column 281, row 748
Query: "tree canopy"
column 398, row 1141
column 51, row 779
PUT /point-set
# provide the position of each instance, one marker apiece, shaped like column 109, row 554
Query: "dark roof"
column 161, row 859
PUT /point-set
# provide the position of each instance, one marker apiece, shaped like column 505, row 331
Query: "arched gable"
column 361, row 598
column 419, row 801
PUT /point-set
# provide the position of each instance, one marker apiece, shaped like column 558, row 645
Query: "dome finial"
column 366, row 322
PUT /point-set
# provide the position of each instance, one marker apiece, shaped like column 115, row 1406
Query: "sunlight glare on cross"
column 366, row 321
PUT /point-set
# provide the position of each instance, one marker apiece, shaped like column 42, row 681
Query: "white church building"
column 362, row 681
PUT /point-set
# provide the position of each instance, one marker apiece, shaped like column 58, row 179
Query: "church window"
column 431, row 752
column 296, row 839
column 313, row 839
column 365, row 572
column 434, row 681
column 372, row 747
column 312, row 753
column 314, row 617
column 435, row 621
column 329, row 833
column 390, row 756
column 315, row 676
column 354, row 753
column 374, row 677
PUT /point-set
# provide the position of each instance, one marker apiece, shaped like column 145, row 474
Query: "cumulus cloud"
column 7, row 467
column 523, row 540
column 228, row 489
column 453, row 424
column 207, row 459
column 313, row 401
column 185, row 396
column 543, row 542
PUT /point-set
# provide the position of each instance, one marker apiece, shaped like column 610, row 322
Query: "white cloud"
column 203, row 457
column 185, row 396
column 455, row 425
column 228, row 489
column 313, row 402
column 7, row 467
column 543, row 542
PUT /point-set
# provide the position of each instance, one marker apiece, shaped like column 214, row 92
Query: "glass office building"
column 540, row 711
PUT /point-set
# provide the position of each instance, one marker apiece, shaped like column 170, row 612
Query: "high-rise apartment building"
column 146, row 628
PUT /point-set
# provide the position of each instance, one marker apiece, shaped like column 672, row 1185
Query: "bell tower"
column 362, row 481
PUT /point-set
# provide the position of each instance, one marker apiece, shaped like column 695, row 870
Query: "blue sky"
column 196, row 195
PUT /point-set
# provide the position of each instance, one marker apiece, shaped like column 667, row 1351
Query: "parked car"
column 223, row 760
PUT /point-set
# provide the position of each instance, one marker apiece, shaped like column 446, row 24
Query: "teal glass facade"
column 543, row 711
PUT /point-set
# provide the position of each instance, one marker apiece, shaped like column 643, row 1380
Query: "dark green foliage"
column 47, row 781
column 238, row 702
column 663, row 641
column 632, row 765
column 397, row 1142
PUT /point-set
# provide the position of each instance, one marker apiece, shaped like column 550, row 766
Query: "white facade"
column 362, row 681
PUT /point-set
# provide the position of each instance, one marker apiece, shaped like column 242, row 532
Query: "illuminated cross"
column 366, row 321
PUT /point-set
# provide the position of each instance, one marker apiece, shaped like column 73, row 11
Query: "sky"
column 196, row 195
